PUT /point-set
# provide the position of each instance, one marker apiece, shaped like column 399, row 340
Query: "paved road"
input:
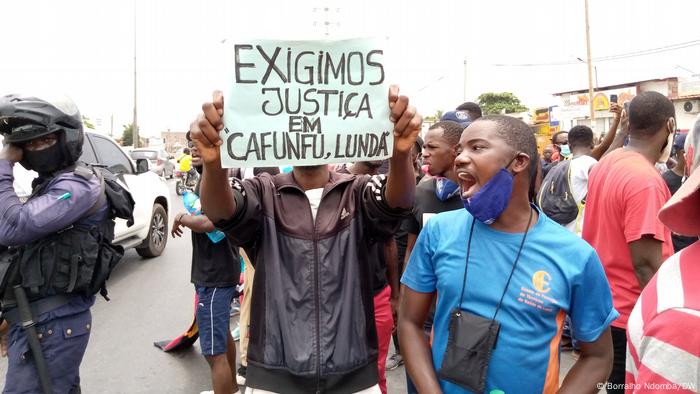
column 153, row 300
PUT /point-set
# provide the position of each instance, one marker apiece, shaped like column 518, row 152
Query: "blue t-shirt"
column 558, row 274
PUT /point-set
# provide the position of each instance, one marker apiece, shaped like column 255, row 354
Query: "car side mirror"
column 141, row 166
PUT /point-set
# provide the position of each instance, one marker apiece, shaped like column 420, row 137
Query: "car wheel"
column 157, row 238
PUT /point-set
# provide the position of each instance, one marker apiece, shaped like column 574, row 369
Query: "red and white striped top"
column 663, row 332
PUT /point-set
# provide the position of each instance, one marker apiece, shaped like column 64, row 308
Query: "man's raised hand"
column 205, row 130
column 407, row 122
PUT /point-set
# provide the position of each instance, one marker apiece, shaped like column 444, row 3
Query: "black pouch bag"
column 470, row 345
column 121, row 203
column 473, row 338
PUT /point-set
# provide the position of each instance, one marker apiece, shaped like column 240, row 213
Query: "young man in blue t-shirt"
column 521, row 267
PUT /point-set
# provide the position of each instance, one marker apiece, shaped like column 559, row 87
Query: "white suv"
column 149, row 234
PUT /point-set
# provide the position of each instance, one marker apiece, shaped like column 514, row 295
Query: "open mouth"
column 467, row 183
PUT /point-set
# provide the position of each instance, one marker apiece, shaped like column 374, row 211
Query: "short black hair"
column 649, row 112
column 452, row 131
column 472, row 108
column 518, row 135
column 418, row 145
column 580, row 135
column 186, row 151
column 554, row 137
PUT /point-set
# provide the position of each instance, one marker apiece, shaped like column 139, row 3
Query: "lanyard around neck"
column 515, row 263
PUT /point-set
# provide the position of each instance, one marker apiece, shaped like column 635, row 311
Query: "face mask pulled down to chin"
column 492, row 199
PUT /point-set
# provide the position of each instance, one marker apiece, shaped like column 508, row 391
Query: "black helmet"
column 24, row 118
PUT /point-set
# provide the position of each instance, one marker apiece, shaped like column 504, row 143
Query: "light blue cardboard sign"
column 306, row 103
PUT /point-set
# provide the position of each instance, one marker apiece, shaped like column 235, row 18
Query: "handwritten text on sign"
column 306, row 103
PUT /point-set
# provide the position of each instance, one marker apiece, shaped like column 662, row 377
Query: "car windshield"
column 144, row 154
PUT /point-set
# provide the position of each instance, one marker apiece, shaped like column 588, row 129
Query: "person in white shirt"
column 581, row 142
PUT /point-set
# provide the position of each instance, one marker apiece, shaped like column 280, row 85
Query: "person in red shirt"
column 625, row 194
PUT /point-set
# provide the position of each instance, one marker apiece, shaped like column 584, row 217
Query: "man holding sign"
column 312, row 325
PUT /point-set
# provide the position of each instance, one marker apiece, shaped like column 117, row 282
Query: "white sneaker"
column 394, row 361
column 240, row 375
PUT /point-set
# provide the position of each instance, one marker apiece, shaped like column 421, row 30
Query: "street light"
column 595, row 70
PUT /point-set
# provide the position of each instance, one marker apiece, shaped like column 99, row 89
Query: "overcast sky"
column 85, row 49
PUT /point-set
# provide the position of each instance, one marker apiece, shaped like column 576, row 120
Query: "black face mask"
column 45, row 161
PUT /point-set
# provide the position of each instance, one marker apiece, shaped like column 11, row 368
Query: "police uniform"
column 63, row 199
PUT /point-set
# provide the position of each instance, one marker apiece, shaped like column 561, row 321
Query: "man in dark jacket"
column 312, row 324
column 47, row 137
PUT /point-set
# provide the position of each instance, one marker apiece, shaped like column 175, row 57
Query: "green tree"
column 128, row 135
column 87, row 122
column 496, row 103
column 434, row 118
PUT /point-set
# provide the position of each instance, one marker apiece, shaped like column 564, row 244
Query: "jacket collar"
column 286, row 180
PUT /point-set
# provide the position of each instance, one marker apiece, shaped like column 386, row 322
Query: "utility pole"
column 135, row 124
column 590, row 65
column 464, row 94
column 595, row 68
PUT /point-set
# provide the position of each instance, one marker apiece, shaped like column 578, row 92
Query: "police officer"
column 47, row 137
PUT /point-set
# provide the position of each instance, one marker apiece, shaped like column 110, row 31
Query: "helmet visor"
column 26, row 132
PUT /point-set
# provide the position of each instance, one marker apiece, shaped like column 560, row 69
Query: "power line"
column 619, row 56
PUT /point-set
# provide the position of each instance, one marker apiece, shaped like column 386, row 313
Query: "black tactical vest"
column 77, row 259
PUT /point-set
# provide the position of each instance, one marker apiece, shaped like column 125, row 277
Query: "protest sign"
column 306, row 103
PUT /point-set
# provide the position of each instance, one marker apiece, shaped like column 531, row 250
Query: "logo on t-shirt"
column 540, row 280
column 537, row 296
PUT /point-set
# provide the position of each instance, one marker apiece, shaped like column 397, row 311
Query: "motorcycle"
column 185, row 181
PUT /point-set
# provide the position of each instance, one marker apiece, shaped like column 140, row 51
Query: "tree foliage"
column 434, row 118
column 88, row 123
column 128, row 136
column 496, row 103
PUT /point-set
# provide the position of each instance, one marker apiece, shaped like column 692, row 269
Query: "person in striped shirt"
column 663, row 344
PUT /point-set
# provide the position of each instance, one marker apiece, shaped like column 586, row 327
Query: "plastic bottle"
column 194, row 207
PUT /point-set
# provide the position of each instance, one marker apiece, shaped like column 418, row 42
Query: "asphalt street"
column 152, row 300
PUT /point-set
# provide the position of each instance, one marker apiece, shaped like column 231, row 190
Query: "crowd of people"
column 534, row 281
column 478, row 254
